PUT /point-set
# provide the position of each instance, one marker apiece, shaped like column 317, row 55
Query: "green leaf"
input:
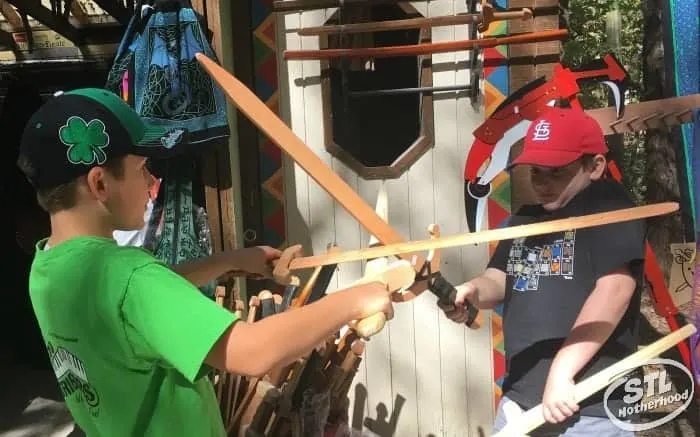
column 73, row 131
column 96, row 134
column 81, row 153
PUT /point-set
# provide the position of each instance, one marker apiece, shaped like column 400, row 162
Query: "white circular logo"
column 648, row 393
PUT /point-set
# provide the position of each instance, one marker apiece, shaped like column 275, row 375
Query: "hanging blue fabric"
column 695, row 153
column 694, row 150
column 156, row 72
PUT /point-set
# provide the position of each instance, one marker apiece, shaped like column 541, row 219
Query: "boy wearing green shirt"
column 129, row 338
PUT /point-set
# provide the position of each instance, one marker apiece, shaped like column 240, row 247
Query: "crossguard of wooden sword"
column 439, row 286
column 281, row 273
column 396, row 276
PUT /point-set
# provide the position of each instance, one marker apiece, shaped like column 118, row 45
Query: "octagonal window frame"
column 419, row 146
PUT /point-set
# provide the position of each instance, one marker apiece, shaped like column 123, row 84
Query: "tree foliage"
column 598, row 27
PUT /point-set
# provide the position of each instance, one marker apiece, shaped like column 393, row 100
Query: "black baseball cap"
column 77, row 130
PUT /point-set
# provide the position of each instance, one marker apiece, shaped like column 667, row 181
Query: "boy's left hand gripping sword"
column 427, row 270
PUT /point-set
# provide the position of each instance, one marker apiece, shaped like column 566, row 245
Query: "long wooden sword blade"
column 546, row 227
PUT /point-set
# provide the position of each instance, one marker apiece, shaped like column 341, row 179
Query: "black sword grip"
column 267, row 307
column 447, row 294
column 290, row 292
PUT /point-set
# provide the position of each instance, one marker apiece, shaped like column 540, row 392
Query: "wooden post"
column 217, row 169
column 527, row 62
column 220, row 176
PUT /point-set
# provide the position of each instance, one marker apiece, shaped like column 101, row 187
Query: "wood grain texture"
column 510, row 232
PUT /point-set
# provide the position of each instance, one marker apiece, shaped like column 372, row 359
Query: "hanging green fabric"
column 184, row 231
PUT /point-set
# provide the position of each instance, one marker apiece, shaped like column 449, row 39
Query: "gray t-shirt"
column 549, row 278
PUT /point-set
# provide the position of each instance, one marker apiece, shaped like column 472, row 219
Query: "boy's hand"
column 257, row 260
column 373, row 298
column 456, row 310
column 558, row 403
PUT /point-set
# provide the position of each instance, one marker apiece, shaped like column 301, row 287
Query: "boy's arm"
column 166, row 320
column 251, row 260
column 278, row 340
column 597, row 319
column 485, row 291
column 491, row 286
column 617, row 253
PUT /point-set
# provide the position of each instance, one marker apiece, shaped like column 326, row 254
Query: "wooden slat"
column 210, row 176
column 78, row 12
column 520, row 75
column 467, row 262
column 199, row 6
column 214, row 21
column 448, row 189
column 57, row 23
column 400, row 360
column 248, row 136
column 211, row 196
column 216, row 163
column 321, row 204
column 348, row 234
column 296, row 179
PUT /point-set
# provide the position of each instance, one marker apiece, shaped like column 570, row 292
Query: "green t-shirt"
column 127, row 338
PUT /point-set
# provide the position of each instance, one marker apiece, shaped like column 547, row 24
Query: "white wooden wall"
column 437, row 372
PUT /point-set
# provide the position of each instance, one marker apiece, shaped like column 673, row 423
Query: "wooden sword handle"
column 395, row 276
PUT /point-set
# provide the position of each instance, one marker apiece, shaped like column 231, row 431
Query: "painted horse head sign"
column 652, row 392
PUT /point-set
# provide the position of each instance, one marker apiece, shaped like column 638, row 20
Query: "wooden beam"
column 57, row 23
column 78, row 13
column 12, row 16
column 247, row 133
column 210, row 174
column 223, row 161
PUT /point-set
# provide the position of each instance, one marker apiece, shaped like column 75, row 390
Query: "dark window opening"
column 379, row 135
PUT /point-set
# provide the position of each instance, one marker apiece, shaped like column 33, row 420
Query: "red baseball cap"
column 559, row 137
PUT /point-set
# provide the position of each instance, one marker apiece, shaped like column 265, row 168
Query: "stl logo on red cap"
column 541, row 131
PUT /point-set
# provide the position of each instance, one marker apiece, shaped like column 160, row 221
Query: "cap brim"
column 546, row 158
column 159, row 140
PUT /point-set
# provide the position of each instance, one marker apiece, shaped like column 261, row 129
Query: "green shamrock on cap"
column 85, row 141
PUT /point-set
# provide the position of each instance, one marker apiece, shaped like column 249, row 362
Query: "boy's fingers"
column 389, row 312
column 547, row 415
column 565, row 409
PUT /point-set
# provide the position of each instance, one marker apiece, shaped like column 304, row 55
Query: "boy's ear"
column 599, row 166
column 95, row 180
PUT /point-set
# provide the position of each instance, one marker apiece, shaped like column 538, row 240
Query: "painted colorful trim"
column 266, row 88
column 496, row 90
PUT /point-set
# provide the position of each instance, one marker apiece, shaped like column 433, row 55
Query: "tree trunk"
column 662, row 185
column 662, row 162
